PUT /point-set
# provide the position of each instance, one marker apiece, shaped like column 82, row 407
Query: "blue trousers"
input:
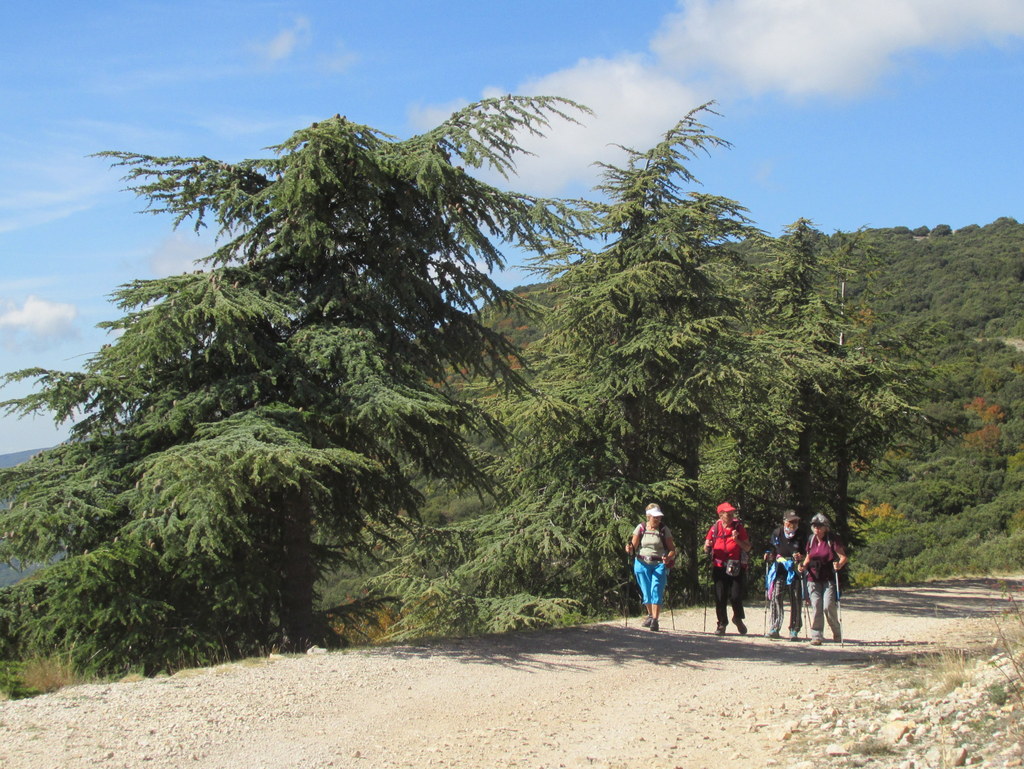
column 651, row 577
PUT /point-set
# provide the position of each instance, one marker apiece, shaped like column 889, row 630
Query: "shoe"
column 773, row 634
column 654, row 625
column 720, row 630
column 740, row 626
column 815, row 642
column 794, row 635
column 647, row 621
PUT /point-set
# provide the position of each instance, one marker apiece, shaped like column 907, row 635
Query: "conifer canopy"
column 251, row 421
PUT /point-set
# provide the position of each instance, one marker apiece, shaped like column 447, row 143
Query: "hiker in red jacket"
column 727, row 544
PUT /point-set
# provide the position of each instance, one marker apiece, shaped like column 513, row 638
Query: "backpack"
column 719, row 534
column 660, row 531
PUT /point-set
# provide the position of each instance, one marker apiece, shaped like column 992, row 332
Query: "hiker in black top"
column 783, row 582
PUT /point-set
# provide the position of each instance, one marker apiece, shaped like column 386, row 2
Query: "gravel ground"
column 609, row 695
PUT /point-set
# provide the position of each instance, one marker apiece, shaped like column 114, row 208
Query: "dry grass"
column 952, row 670
column 48, row 674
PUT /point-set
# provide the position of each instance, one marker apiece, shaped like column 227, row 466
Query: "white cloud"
column 38, row 319
column 286, row 42
column 48, row 190
column 177, row 254
column 633, row 103
column 820, row 46
column 340, row 60
column 711, row 49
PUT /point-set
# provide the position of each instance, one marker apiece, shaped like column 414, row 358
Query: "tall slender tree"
column 248, row 420
column 829, row 390
column 644, row 350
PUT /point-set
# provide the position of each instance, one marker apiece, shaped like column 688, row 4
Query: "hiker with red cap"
column 727, row 544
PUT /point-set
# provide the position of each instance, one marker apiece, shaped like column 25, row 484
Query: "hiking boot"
column 740, row 626
column 773, row 634
column 815, row 642
column 720, row 630
column 654, row 625
column 647, row 621
column 794, row 635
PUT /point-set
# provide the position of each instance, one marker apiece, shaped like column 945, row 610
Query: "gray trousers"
column 824, row 607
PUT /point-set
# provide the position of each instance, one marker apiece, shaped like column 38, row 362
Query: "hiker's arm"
column 841, row 552
column 742, row 539
column 670, row 549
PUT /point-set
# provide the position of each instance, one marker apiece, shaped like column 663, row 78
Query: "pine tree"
column 645, row 348
column 253, row 420
column 828, row 391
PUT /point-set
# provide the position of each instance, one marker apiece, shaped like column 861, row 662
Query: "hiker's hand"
column 767, row 556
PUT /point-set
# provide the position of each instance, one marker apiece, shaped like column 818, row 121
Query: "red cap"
column 725, row 507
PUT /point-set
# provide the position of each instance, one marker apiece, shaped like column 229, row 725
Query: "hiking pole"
column 806, row 601
column 839, row 612
column 672, row 614
column 705, row 602
column 625, row 592
column 767, row 603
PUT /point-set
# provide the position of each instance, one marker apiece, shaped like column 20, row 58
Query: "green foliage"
column 251, row 421
column 643, row 343
column 12, row 685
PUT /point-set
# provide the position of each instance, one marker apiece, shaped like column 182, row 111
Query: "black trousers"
column 728, row 592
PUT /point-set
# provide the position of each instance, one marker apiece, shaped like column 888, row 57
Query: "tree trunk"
column 297, row 574
column 692, row 544
column 842, row 492
column 801, row 480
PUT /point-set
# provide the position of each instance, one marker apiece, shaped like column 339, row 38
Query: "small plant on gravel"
column 50, row 673
column 952, row 669
column 997, row 694
column 872, row 746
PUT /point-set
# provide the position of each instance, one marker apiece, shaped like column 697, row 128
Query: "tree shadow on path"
column 624, row 642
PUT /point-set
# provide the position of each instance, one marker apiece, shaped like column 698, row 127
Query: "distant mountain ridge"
column 10, row 460
column 8, row 575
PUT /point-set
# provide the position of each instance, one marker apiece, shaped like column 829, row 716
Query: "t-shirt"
column 652, row 543
column 723, row 546
column 822, row 553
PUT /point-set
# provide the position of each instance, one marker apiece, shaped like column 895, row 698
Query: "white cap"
column 655, row 511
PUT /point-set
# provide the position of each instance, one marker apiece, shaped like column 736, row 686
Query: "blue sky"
column 848, row 112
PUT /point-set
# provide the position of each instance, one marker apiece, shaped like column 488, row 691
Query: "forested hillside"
column 954, row 504
column 948, row 496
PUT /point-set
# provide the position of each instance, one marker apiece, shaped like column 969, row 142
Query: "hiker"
column 825, row 557
column 783, row 583
column 727, row 544
column 655, row 553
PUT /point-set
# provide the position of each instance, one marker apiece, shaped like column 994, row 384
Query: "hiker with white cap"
column 655, row 553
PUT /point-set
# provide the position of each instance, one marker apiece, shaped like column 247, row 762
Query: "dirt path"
column 603, row 695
